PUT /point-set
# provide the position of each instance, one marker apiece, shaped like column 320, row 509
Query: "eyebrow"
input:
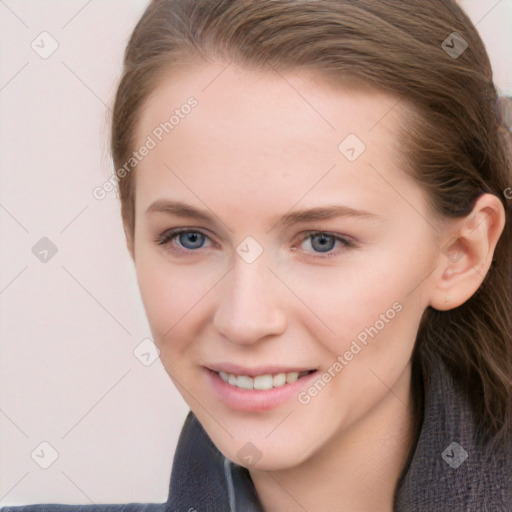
column 181, row 209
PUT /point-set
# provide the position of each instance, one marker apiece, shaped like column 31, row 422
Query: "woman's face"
column 304, row 247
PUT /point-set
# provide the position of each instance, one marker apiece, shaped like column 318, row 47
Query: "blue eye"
column 188, row 239
column 196, row 240
column 324, row 243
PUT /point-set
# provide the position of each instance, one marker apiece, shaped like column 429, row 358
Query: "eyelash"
column 168, row 236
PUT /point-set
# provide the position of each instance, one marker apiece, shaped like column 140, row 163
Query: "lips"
column 250, row 389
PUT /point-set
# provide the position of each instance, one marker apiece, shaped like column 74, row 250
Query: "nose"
column 250, row 307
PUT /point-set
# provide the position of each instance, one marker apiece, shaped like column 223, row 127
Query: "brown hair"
column 454, row 144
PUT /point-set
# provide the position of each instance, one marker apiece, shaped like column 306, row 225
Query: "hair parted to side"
column 454, row 145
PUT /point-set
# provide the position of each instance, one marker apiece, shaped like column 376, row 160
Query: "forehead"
column 266, row 134
column 267, row 99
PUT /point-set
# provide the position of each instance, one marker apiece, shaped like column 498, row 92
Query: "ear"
column 467, row 252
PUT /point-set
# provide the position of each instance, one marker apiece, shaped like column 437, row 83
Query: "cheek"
column 368, row 301
column 170, row 297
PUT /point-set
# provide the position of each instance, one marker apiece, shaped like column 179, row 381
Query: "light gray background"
column 69, row 376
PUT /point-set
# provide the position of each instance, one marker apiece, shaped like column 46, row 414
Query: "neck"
column 358, row 469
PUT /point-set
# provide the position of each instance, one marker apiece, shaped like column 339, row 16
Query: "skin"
column 251, row 151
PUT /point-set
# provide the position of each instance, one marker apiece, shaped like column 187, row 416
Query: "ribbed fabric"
column 481, row 483
column 447, row 471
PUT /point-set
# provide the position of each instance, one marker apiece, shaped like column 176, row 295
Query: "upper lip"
column 256, row 370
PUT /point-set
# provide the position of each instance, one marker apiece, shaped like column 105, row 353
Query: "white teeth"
column 279, row 380
column 292, row 377
column 261, row 382
column 245, row 382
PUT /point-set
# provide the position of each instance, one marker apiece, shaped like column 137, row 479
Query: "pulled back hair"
column 453, row 145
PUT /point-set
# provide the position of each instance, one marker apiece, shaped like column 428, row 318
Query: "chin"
column 264, row 455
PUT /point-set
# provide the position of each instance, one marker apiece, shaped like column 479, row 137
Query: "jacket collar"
column 204, row 480
column 449, row 468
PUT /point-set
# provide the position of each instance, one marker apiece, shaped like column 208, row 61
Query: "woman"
column 313, row 194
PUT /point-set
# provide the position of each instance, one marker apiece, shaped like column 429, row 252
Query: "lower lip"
column 256, row 400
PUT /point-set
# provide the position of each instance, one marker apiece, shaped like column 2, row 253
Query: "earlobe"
column 466, row 257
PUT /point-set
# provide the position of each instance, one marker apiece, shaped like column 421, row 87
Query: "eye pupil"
column 326, row 242
column 193, row 238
